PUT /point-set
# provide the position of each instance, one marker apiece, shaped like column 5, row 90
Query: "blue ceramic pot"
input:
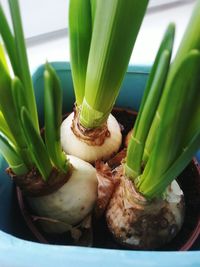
column 15, row 252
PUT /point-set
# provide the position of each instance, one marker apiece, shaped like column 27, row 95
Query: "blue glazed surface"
column 15, row 252
column 18, row 253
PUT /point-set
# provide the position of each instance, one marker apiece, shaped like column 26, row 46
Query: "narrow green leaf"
column 190, row 41
column 179, row 97
column 80, row 32
column 5, row 129
column 11, row 115
column 53, row 118
column 138, row 138
column 3, row 57
column 9, row 41
column 18, row 95
column 154, row 190
column 7, row 107
column 24, row 72
column 12, row 157
column 93, row 9
column 194, row 120
column 167, row 43
column 167, row 46
column 115, row 29
column 36, row 146
column 191, row 38
column 150, row 102
column 19, row 102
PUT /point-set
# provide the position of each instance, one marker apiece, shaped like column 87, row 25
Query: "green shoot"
column 5, row 129
column 174, row 128
column 20, row 140
column 36, row 146
column 22, row 60
column 12, row 157
column 9, row 41
column 104, row 53
column 149, row 104
column 180, row 96
column 175, row 169
column 53, row 118
column 3, row 58
column 191, row 40
column 8, row 108
column 80, row 32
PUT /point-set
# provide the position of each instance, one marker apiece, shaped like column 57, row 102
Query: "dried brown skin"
column 107, row 181
column 93, row 137
column 32, row 184
column 137, row 223
column 106, row 187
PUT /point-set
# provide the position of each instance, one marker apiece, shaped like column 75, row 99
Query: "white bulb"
column 138, row 223
column 74, row 146
column 72, row 202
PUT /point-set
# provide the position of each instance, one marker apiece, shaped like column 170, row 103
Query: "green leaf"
column 11, row 114
column 8, row 108
column 174, row 170
column 9, row 41
column 18, row 95
column 80, row 32
column 138, row 138
column 194, row 120
column 53, row 118
column 5, row 129
column 93, row 9
column 12, row 157
column 177, row 101
column 149, row 105
column 165, row 46
column 3, row 57
column 36, row 146
column 22, row 61
column 191, row 37
column 116, row 25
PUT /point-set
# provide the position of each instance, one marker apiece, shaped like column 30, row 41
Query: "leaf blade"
column 12, row 157
column 179, row 96
column 36, row 146
column 80, row 32
column 22, row 60
column 53, row 118
column 9, row 41
column 113, row 33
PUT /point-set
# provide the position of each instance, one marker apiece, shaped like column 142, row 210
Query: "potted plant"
column 147, row 208
column 24, row 115
column 97, row 34
column 40, row 168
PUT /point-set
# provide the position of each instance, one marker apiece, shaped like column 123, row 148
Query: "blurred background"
column 46, row 28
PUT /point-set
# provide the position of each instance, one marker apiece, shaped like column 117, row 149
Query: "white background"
column 41, row 16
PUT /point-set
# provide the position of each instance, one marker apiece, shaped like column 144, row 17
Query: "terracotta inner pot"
column 189, row 181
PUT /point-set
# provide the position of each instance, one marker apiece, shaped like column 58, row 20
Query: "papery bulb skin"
column 141, row 224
